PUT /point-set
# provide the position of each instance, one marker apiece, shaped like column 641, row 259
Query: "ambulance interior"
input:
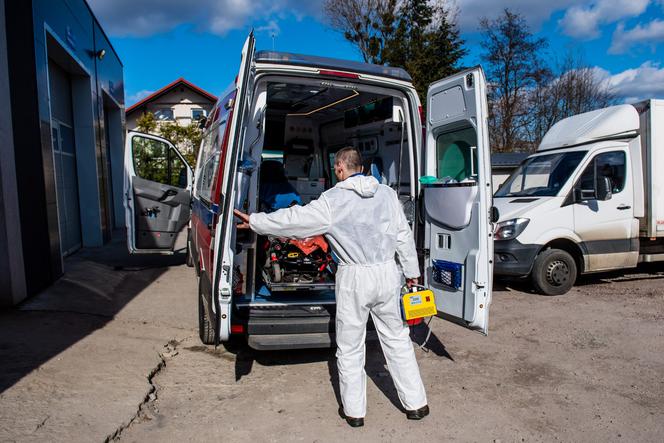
column 296, row 126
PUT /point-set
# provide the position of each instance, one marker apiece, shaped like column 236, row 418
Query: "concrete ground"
column 111, row 353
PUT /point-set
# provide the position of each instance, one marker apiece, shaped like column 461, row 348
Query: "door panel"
column 606, row 228
column 225, row 229
column 157, row 193
column 458, row 230
column 161, row 211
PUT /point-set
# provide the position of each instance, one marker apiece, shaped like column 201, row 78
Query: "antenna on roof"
column 273, row 37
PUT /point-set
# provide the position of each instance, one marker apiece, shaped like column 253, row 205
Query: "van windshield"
column 541, row 176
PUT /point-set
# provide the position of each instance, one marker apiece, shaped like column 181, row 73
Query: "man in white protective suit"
column 364, row 223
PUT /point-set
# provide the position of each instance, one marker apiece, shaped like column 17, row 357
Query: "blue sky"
column 161, row 40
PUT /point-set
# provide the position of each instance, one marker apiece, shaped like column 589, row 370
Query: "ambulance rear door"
column 457, row 198
column 222, row 279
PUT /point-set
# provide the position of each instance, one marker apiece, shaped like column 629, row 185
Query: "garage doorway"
column 64, row 159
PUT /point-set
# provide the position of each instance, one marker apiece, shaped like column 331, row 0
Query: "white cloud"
column 535, row 12
column 148, row 17
column 646, row 81
column 583, row 21
column 272, row 28
column 623, row 40
column 140, row 95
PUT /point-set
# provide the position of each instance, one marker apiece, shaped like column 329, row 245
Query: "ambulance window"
column 455, row 157
column 207, row 172
column 154, row 160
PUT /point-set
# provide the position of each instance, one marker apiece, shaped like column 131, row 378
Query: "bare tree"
column 514, row 67
column 365, row 23
column 573, row 89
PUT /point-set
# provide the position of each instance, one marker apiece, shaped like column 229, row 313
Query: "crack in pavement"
column 43, row 422
column 151, row 396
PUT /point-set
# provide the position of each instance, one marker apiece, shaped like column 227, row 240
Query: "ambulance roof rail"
column 287, row 58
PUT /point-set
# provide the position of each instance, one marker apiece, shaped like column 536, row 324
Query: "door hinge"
column 479, row 285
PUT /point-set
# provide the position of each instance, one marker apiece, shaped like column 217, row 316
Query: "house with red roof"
column 181, row 102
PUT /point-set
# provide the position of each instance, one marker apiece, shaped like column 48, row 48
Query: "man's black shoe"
column 418, row 414
column 354, row 422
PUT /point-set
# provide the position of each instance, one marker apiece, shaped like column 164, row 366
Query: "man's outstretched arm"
column 294, row 222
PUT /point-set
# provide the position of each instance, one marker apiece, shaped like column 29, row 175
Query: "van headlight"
column 510, row 229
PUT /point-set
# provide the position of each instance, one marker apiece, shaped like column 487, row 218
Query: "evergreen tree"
column 418, row 35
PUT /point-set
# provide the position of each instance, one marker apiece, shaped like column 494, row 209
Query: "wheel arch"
column 570, row 247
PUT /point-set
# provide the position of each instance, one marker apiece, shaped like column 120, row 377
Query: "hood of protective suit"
column 365, row 186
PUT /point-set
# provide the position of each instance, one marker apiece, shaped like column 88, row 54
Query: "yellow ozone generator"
column 417, row 302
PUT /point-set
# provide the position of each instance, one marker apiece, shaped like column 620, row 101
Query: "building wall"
column 12, row 275
column 182, row 100
column 64, row 33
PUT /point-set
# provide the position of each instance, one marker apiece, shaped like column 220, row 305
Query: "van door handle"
column 623, row 207
column 166, row 194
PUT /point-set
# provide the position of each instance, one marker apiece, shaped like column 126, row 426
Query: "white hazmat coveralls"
column 365, row 225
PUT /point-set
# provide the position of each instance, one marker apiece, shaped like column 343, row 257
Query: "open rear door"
column 458, row 228
column 157, row 188
column 225, row 229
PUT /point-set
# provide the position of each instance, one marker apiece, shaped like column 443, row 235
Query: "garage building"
column 61, row 140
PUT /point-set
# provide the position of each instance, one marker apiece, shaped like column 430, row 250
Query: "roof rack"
column 287, row 58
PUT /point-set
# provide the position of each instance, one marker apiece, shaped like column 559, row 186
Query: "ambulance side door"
column 222, row 279
column 158, row 182
column 458, row 228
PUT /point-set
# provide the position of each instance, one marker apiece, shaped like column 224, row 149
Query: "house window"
column 198, row 113
column 164, row 114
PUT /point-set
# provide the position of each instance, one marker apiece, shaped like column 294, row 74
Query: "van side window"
column 609, row 164
column 207, row 171
column 154, row 160
column 454, row 156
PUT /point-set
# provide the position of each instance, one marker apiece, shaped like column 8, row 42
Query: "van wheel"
column 554, row 272
column 205, row 324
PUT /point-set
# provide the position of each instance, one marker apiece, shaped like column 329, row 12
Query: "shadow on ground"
column 97, row 284
column 376, row 367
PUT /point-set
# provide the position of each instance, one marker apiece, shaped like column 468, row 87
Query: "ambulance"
column 290, row 113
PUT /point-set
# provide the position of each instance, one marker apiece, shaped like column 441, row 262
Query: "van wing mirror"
column 603, row 188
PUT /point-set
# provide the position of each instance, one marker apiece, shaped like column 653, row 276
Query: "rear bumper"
column 513, row 258
column 292, row 327
column 296, row 341
column 288, row 327
column 290, row 341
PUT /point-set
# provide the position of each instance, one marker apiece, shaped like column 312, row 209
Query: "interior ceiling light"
column 304, row 114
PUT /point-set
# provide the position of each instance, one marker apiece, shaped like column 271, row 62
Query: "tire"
column 554, row 272
column 205, row 325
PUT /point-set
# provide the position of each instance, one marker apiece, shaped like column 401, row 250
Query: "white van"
column 296, row 112
column 589, row 200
